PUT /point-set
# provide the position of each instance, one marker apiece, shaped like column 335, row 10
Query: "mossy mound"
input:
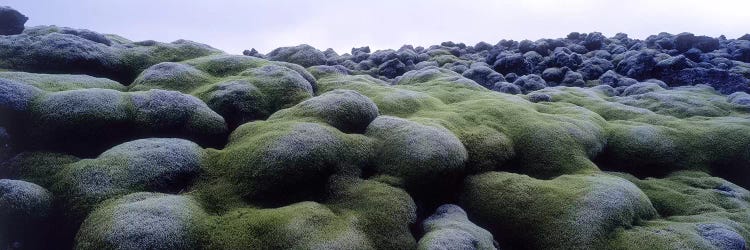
column 38, row 167
column 239, row 88
column 25, row 211
column 357, row 214
column 568, row 212
column 697, row 212
column 346, row 110
column 100, row 118
column 62, row 82
column 144, row 221
column 450, row 228
column 278, row 161
column 155, row 165
column 52, row 49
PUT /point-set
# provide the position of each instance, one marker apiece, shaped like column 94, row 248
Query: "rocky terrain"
column 582, row 142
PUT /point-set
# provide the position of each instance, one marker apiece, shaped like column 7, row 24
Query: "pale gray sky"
column 234, row 25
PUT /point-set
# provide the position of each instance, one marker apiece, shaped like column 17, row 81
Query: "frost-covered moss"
column 37, row 167
column 568, row 212
column 25, row 210
column 697, row 212
column 97, row 119
column 450, row 228
column 144, row 221
column 282, row 161
column 356, row 215
column 156, row 165
column 61, row 82
column 240, row 88
column 345, row 110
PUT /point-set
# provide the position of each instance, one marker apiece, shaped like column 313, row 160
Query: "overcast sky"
column 235, row 25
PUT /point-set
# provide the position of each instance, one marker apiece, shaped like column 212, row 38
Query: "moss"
column 36, row 167
column 450, row 228
column 144, row 221
column 226, row 65
column 422, row 155
column 100, row 118
column 281, row 161
column 62, row 82
column 357, row 215
column 346, row 110
column 546, row 140
column 570, row 211
column 170, row 76
column 157, row 164
column 698, row 212
column 240, row 88
column 25, row 211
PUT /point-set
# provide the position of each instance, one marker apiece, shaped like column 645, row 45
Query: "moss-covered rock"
column 171, row 76
column 156, row 165
column 286, row 161
column 450, row 228
column 240, row 88
column 421, row 155
column 570, row 211
column 62, row 82
column 37, row 167
column 25, row 209
column 697, row 212
column 51, row 49
column 99, row 118
column 144, row 221
column 303, row 54
column 346, row 110
column 357, row 214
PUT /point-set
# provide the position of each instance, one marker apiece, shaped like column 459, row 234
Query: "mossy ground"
column 354, row 162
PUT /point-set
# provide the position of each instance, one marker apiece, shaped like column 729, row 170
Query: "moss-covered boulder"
column 303, row 54
column 98, row 118
column 144, row 221
column 239, row 88
column 171, row 76
column 38, row 167
column 357, row 214
column 286, row 161
column 156, row 165
column 450, row 228
column 697, row 212
column 62, row 82
column 25, row 210
column 346, row 110
column 419, row 154
column 568, row 212
column 52, row 49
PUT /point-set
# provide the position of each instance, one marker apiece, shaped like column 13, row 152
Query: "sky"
column 235, row 25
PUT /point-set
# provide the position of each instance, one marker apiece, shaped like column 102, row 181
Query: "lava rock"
column 11, row 21
column 304, row 55
column 530, row 83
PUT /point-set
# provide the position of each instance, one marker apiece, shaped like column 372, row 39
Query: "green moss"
column 356, row 215
column 421, row 155
column 698, row 212
column 568, row 212
column 450, row 228
column 156, row 164
column 36, row 167
column 144, row 221
column 240, row 88
column 346, row 110
column 62, row 82
column 170, row 76
column 280, row 161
